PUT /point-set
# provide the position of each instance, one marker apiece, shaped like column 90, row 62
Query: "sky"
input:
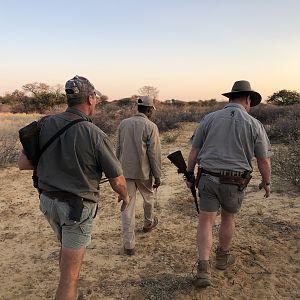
column 189, row 50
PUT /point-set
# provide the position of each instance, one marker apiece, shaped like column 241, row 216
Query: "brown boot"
column 224, row 259
column 203, row 274
column 153, row 225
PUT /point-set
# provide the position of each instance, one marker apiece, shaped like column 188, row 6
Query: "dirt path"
column 267, row 244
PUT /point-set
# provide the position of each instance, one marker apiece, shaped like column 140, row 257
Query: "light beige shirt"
column 229, row 138
column 138, row 148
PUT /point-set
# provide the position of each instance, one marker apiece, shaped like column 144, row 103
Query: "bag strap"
column 57, row 134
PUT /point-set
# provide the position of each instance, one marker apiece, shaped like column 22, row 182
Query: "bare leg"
column 204, row 233
column 226, row 230
column 70, row 264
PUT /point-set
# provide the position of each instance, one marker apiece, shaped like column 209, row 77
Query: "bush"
column 281, row 123
column 267, row 113
column 285, row 163
column 9, row 150
column 284, row 130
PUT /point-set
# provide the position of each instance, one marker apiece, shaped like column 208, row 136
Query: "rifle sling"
column 57, row 134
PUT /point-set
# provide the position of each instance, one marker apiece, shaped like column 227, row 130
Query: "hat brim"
column 255, row 96
column 98, row 94
column 142, row 104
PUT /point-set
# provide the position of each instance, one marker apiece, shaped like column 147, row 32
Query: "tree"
column 148, row 90
column 284, row 97
column 42, row 96
column 13, row 98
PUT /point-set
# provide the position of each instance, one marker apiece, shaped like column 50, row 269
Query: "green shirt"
column 229, row 138
column 75, row 161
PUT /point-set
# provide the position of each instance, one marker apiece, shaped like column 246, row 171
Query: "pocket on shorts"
column 233, row 198
column 201, row 185
column 87, row 217
column 44, row 204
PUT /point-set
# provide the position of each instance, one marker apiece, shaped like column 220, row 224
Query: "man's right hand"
column 118, row 184
column 267, row 188
column 189, row 178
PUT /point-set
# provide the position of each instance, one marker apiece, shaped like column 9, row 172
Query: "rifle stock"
column 177, row 159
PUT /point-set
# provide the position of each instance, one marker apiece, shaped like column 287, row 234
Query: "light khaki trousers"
column 145, row 187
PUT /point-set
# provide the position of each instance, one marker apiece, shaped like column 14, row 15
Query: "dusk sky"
column 189, row 50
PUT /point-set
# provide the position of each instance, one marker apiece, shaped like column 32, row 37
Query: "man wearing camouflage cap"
column 223, row 146
column 69, row 173
column 138, row 149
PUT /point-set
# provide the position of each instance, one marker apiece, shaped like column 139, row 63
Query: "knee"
column 227, row 215
column 207, row 219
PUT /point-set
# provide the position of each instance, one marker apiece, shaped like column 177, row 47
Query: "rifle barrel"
column 193, row 190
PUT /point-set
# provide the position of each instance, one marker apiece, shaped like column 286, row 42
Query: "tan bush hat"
column 244, row 86
column 146, row 101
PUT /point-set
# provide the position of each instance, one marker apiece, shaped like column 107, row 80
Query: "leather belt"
column 210, row 173
column 64, row 196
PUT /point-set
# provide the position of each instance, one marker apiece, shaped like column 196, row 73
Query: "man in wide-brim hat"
column 223, row 147
column 243, row 88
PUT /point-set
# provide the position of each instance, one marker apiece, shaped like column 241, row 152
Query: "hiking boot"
column 224, row 259
column 154, row 223
column 129, row 251
column 203, row 274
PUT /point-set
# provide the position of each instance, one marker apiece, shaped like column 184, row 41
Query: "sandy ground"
column 266, row 243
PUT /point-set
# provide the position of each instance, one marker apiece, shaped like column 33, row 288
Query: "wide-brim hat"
column 243, row 86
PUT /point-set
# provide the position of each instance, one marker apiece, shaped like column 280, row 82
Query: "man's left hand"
column 125, row 202
column 156, row 183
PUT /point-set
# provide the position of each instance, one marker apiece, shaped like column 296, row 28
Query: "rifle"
column 177, row 159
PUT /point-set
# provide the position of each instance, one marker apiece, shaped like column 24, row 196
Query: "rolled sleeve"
column 107, row 159
column 262, row 147
column 198, row 136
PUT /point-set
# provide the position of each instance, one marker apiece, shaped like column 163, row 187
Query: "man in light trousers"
column 139, row 151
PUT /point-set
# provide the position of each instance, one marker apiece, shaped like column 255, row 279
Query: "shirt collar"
column 79, row 113
column 235, row 105
column 139, row 114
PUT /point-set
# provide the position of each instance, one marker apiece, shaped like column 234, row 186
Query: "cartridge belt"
column 223, row 173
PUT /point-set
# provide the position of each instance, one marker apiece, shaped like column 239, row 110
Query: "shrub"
column 285, row 163
column 267, row 113
column 281, row 123
column 284, row 130
column 9, row 150
column 170, row 137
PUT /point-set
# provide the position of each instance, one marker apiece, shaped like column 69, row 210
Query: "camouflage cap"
column 79, row 87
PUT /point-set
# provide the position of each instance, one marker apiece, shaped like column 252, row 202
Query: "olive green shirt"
column 138, row 148
column 75, row 161
column 229, row 138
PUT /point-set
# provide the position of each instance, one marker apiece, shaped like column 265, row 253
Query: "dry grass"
column 282, row 126
column 9, row 135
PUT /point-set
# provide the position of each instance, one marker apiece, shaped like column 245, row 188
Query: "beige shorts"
column 71, row 234
column 214, row 195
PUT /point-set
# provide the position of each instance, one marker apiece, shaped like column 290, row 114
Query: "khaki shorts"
column 214, row 195
column 71, row 234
